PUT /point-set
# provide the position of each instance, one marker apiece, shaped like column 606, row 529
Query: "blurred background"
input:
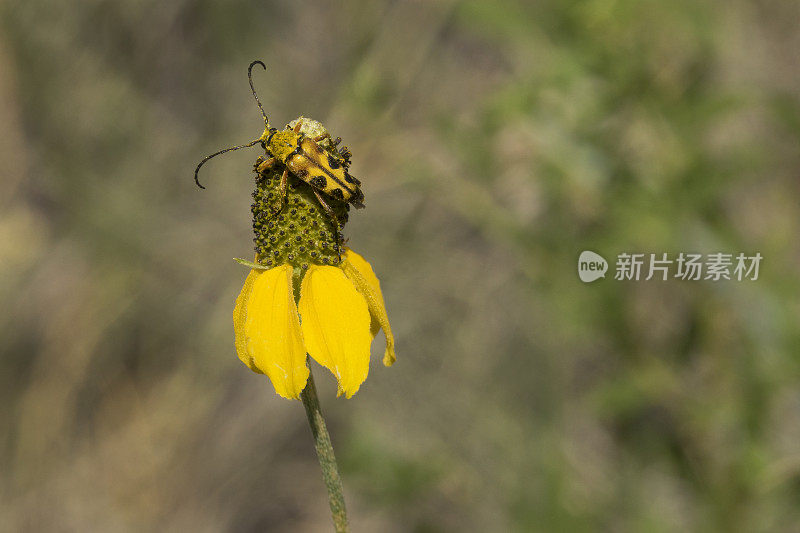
column 495, row 142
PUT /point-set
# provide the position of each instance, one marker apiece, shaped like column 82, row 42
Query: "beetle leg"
column 266, row 165
column 283, row 186
column 325, row 135
column 331, row 214
column 334, row 142
column 326, row 207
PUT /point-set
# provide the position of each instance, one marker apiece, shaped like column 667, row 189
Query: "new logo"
column 591, row 266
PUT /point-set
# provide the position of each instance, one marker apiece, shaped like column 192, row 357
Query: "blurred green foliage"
column 496, row 141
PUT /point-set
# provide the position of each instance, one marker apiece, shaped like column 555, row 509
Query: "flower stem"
column 327, row 460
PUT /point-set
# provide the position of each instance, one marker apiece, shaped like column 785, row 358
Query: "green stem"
column 327, row 460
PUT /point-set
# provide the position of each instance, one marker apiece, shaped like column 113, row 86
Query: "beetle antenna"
column 252, row 88
column 248, row 145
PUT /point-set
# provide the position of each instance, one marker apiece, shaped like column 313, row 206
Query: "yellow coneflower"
column 306, row 293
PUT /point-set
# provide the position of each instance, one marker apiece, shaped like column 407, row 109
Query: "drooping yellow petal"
column 240, row 319
column 271, row 338
column 360, row 273
column 335, row 323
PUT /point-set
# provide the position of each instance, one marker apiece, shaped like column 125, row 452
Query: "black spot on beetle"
column 337, row 193
column 319, row 182
column 302, row 173
column 333, row 162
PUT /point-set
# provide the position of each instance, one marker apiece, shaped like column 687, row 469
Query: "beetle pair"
column 326, row 172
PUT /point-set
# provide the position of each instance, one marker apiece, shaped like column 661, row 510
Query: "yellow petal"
column 240, row 319
column 272, row 339
column 360, row 273
column 335, row 323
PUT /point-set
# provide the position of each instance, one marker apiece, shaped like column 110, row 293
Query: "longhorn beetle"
column 303, row 157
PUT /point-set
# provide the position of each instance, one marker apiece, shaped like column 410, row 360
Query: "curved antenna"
column 253, row 89
column 248, row 145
